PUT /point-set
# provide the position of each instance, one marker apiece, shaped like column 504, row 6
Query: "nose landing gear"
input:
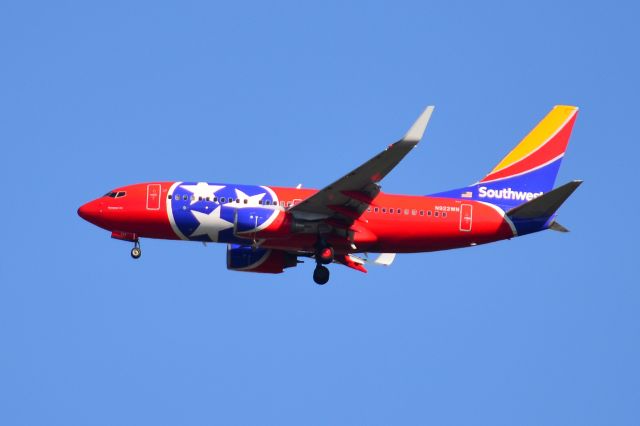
column 136, row 251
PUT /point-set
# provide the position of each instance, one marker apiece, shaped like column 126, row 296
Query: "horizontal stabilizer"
column 546, row 204
column 555, row 226
column 385, row 259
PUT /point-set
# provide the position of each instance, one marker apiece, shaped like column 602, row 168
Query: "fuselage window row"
column 215, row 199
column 408, row 212
column 391, row 210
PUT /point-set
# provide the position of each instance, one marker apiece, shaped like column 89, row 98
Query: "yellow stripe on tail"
column 540, row 134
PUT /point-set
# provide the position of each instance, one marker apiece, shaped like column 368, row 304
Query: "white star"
column 202, row 189
column 253, row 199
column 210, row 224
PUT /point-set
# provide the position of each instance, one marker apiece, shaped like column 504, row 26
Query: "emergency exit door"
column 153, row 196
column 466, row 217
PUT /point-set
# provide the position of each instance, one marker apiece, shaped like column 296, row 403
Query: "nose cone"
column 91, row 211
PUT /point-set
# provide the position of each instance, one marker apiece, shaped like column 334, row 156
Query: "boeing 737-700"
column 268, row 228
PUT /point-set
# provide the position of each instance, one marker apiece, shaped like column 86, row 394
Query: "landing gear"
column 321, row 275
column 324, row 255
column 136, row 252
column 324, row 252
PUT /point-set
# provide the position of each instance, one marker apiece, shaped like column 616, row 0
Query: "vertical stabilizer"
column 530, row 169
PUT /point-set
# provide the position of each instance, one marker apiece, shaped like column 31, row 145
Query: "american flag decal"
column 467, row 194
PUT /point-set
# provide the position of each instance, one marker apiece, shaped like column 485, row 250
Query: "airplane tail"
column 530, row 169
column 540, row 212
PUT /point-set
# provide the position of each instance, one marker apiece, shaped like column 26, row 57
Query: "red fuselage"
column 392, row 223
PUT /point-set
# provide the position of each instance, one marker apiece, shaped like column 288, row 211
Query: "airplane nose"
column 89, row 211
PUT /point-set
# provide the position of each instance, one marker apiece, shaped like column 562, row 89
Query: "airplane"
column 268, row 229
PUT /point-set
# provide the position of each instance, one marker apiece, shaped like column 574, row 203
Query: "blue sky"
column 538, row 330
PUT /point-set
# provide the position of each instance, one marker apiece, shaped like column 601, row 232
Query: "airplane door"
column 466, row 217
column 153, row 196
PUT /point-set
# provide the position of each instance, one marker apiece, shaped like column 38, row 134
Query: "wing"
column 348, row 197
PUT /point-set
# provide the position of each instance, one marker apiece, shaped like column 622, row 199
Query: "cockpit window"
column 114, row 194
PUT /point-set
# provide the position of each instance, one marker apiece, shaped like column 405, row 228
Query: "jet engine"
column 249, row 259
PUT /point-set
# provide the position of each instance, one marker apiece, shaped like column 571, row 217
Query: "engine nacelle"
column 248, row 259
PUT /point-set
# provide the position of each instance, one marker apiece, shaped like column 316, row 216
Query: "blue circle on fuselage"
column 183, row 205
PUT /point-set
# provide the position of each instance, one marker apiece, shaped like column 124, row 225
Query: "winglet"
column 416, row 131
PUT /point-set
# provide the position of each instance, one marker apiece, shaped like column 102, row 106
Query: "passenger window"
column 444, row 214
column 215, row 199
column 268, row 202
column 375, row 210
column 169, row 196
column 406, row 211
column 199, row 198
column 237, row 200
column 421, row 212
column 208, row 199
column 436, row 214
column 414, row 212
column 223, row 200
column 369, row 209
column 429, row 213
column 384, row 210
column 246, row 201
column 185, row 197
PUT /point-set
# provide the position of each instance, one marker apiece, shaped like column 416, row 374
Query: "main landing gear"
column 321, row 275
column 324, row 256
column 136, row 251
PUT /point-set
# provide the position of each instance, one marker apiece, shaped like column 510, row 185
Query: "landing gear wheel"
column 136, row 252
column 321, row 275
column 324, row 255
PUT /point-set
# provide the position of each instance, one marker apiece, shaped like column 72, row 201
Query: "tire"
column 136, row 252
column 321, row 275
